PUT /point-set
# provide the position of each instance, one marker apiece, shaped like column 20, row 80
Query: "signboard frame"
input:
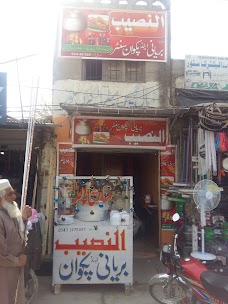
column 134, row 140
column 146, row 42
column 206, row 72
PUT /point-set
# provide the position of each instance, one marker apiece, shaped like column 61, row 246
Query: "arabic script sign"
column 86, row 256
column 66, row 159
column 113, row 34
column 206, row 73
column 115, row 132
column 168, row 177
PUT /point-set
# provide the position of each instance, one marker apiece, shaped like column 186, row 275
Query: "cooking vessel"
column 96, row 213
column 75, row 22
column 166, row 204
column 83, row 128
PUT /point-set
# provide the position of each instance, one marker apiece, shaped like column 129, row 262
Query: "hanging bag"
column 212, row 118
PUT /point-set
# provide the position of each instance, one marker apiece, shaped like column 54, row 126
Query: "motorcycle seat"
column 215, row 284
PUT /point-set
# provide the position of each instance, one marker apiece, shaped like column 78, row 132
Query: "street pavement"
column 144, row 268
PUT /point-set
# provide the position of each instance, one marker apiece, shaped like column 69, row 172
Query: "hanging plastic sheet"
column 221, row 142
column 190, row 97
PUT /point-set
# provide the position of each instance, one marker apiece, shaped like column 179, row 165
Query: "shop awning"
column 193, row 98
column 129, row 112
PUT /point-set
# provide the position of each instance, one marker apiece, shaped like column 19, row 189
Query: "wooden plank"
column 35, row 186
column 44, row 245
column 51, row 210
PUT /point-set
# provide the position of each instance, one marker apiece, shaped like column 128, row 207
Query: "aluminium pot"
column 96, row 213
column 166, row 204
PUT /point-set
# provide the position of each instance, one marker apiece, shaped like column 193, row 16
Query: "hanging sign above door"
column 66, row 159
column 119, row 132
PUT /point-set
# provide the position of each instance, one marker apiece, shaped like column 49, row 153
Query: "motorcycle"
column 187, row 280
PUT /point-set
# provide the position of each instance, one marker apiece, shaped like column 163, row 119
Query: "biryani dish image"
column 167, row 181
column 83, row 140
column 98, row 23
column 101, row 137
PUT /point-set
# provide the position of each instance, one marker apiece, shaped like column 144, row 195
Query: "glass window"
column 135, row 71
column 113, row 71
column 93, row 69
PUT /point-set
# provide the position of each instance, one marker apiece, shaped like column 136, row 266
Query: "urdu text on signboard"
column 206, row 73
column 117, row 132
column 113, row 34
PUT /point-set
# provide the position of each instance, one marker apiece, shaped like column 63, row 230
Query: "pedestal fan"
column 206, row 195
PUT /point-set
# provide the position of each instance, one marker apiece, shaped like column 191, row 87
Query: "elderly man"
column 12, row 237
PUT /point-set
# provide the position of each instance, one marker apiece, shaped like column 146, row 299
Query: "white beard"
column 12, row 209
column 15, row 213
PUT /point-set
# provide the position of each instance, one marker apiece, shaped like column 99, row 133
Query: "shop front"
column 107, row 193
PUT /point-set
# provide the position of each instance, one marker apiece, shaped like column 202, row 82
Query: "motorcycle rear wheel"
column 167, row 293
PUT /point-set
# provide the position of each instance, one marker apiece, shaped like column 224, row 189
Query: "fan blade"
column 207, row 184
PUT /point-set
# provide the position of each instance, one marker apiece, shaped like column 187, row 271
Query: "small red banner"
column 168, row 177
column 114, row 34
column 66, row 159
column 115, row 132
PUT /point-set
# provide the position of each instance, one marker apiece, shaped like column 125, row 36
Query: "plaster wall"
column 177, row 77
column 69, row 88
column 49, row 149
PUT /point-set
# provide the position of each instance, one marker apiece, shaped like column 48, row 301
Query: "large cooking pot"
column 75, row 22
column 96, row 213
column 166, row 204
column 83, row 127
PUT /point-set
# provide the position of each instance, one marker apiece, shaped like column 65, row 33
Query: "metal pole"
column 29, row 142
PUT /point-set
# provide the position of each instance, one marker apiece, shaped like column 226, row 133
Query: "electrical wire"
column 16, row 59
column 19, row 88
column 156, row 87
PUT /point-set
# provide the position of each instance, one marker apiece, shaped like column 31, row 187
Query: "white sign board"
column 90, row 254
column 206, row 73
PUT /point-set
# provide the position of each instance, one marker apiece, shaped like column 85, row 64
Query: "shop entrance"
column 12, row 166
column 144, row 167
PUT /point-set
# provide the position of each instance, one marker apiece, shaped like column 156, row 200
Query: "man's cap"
column 4, row 184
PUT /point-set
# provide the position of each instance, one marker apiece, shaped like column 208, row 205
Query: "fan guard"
column 208, row 193
column 207, row 196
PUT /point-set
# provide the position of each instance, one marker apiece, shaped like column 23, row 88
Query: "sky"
column 199, row 27
column 28, row 27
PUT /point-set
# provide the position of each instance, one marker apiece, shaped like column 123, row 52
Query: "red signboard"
column 116, row 132
column 168, row 177
column 168, row 162
column 66, row 159
column 114, row 34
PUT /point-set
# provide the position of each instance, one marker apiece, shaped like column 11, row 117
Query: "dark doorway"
column 144, row 167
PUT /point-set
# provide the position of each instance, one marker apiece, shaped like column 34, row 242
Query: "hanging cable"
column 19, row 88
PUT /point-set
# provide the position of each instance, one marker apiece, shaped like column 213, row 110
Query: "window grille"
column 115, row 70
column 93, row 69
column 135, row 71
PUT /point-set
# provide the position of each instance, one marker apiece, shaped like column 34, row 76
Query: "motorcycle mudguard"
column 164, row 276
column 158, row 277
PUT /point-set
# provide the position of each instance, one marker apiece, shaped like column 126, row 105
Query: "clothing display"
column 210, row 152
